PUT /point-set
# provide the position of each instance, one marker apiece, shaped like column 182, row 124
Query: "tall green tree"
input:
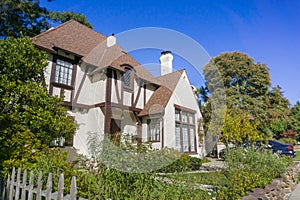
column 247, row 87
column 29, row 117
column 294, row 118
column 278, row 111
column 28, row 18
column 66, row 16
column 22, row 17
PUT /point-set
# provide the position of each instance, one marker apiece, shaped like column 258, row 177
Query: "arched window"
column 127, row 77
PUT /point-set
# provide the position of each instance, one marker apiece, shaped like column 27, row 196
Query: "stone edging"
column 280, row 188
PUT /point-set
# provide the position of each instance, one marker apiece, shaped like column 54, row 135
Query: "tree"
column 294, row 118
column 247, row 87
column 278, row 111
column 239, row 128
column 28, row 18
column 22, row 17
column 66, row 16
column 29, row 117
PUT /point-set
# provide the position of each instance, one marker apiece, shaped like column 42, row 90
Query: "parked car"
column 285, row 149
column 275, row 146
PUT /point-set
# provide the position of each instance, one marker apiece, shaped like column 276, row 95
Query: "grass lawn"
column 297, row 158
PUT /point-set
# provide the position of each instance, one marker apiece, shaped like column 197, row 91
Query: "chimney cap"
column 165, row 52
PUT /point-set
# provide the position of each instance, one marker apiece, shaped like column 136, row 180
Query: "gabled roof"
column 140, row 71
column 90, row 45
column 160, row 98
column 71, row 36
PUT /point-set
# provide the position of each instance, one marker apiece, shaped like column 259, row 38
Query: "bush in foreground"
column 248, row 169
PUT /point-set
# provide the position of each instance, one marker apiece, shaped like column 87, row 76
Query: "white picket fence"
column 17, row 188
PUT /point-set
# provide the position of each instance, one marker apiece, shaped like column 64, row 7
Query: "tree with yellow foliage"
column 239, row 127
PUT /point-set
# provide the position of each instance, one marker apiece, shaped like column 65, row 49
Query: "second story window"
column 127, row 77
column 63, row 72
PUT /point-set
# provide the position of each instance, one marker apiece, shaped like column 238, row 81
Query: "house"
column 108, row 92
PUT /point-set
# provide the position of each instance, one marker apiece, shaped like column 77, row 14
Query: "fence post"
column 17, row 192
column 60, row 192
column 39, row 188
column 24, row 182
column 30, row 186
column 11, row 187
column 73, row 189
column 7, row 186
column 49, row 187
column 2, row 187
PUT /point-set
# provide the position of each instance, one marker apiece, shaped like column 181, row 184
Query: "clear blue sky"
column 267, row 30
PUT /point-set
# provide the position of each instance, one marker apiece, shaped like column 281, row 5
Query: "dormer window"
column 127, row 77
column 63, row 72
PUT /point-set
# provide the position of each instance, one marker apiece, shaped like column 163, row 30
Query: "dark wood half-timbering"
column 137, row 97
column 145, row 95
column 139, row 127
column 108, row 111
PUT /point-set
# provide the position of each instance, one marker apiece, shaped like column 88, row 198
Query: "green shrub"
column 54, row 161
column 114, row 184
column 248, row 169
column 95, row 180
column 179, row 165
column 184, row 163
column 195, row 163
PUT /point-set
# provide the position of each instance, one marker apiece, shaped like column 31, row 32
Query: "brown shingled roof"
column 91, row 45
column 160, row 98
column 71, row 36
column 141, row 72
column 102, row 56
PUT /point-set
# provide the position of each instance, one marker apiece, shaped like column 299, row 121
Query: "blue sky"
column 266, row 30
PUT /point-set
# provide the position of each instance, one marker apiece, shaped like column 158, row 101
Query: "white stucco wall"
column 183, row 96
column 88, row 121
column 92, row 89
column 114, row 91
column 149, row 91
column 47, row 71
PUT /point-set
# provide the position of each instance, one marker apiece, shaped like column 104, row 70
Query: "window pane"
column 185, row 138
column 192, row 138
column 63, row 72
column 191, row 118
column 154, row 130
column 177, row 137
column 184, row 117
column 177, row 114
column 127, row 77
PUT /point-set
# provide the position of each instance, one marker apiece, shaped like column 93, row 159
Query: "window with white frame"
column 154, row 130
column 63, row 72
column 185, row 131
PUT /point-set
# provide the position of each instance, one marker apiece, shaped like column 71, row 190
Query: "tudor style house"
column 108, row 92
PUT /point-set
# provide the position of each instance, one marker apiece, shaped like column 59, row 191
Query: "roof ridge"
column 172, row 73
column 54, row 28
column 64, row 24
